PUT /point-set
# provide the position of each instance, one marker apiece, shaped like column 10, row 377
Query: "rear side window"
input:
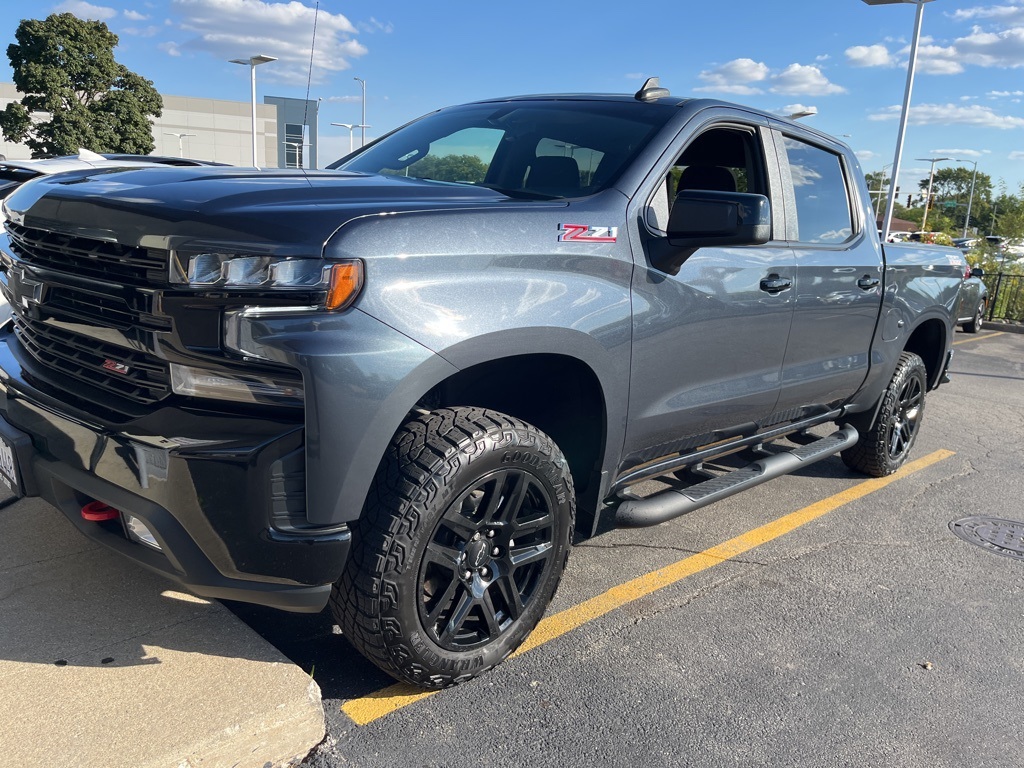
column 819, row 188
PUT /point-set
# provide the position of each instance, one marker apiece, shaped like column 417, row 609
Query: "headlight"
column 339, row 282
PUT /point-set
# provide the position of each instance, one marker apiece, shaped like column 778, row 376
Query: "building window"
column 293, row 145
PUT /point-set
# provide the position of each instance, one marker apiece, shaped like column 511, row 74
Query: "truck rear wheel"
column 460, row 546
column 885, row 444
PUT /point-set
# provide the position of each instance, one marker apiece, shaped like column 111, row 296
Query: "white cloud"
column 958, row 152
column 993, row 49
column 937, row 60
column 1016, row 155
column 230, row 29
column 1001, row 94
column 870, row 56
column 170, row 48
column 373, row 25
column 135, row 15
column 345, row 99
column 822, row 57
column 803, row 80
column 1006, row 14
column 952, row 114
column 149, row 31
column 84, row 10
column 865, row 155
column 735, row 77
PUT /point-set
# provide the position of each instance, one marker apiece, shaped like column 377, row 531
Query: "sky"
column 844, row 57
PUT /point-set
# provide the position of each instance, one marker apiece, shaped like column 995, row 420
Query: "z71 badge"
column 581, row 233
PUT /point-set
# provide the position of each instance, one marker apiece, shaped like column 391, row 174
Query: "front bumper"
column 210, row 491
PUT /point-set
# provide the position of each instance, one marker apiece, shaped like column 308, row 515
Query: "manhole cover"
column 1004, row 537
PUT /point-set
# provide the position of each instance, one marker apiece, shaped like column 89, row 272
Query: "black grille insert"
column 86, row 256
column 137, row 376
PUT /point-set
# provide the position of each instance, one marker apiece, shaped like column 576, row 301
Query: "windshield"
column 533, row 149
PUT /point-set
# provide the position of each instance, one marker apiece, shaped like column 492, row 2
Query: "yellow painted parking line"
column 387, row 700
column 978, row 338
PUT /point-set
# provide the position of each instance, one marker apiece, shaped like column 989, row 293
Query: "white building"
column 216, row 130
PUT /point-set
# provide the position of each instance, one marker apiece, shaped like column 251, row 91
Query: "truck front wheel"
column 460, row 546
column 885, row 444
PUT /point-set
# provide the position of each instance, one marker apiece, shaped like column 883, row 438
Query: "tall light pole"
column 253, row 62
column 350, row 127
column 970, row 200
column 905, row 113
column 931, row 177
column 363, row 126
column 881, row 178
column 181, row 151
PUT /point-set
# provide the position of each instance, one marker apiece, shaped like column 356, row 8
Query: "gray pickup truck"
column 402, row 385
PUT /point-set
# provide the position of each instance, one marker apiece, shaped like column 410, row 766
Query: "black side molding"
column 666, row 505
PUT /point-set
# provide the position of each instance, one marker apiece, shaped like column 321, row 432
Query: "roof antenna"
column 651, row 90
column 309, row 81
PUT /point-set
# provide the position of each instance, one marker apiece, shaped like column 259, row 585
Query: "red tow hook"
column 97, row 512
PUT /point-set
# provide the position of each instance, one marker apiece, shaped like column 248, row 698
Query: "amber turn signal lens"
column 345, row 283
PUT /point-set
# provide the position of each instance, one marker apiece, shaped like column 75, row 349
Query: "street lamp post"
column 363, row 126
column 970, row 200
column 350, row 127
column 905, row 113
column 180, row 136
column 928, row 196
column 878, row 200
column 253, row 62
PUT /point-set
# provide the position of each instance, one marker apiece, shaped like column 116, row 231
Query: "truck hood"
column 290, row 212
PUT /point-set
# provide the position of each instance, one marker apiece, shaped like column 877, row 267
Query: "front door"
column 708, row 343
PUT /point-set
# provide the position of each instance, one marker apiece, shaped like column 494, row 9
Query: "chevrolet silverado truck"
column 403, row 385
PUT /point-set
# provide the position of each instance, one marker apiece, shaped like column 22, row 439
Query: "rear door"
column 838, row 291
column 708, row 343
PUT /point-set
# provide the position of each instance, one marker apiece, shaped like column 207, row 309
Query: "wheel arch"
column 569, row 384
column 929, row 341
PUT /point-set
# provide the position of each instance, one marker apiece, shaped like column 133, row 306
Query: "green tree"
column 953, row 185
column 464, row 168
column 65, row 67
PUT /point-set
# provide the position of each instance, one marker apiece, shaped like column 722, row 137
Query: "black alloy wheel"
column 488, row 554
column 906, row 418
column 886, row 437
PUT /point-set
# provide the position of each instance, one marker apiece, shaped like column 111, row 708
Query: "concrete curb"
column 105, row 664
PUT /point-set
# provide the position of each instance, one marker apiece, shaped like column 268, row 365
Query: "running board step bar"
column 666, row 505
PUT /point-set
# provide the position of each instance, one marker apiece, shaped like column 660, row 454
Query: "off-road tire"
column 885, row 444
column 454, row 491
column 979, row 319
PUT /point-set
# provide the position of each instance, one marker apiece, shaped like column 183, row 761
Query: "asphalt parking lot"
column 821, row 619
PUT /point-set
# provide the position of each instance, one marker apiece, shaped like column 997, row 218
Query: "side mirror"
column 707, row 219
column 977, row 272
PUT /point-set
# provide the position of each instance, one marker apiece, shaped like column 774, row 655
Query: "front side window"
column 531, row 149
column 721, row 159
column 819, row 188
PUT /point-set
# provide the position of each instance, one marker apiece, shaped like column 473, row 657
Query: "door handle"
column 867, row 282
column 775, row 284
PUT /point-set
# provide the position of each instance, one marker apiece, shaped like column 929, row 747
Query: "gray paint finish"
column 458, row 276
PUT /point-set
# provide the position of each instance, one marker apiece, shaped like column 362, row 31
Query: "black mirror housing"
column 710, row 219
column 977, row 272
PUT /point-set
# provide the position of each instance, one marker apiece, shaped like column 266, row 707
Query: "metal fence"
column 1006, row 296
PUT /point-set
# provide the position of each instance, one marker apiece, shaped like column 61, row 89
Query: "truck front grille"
column 137, row 376
column 85, row 256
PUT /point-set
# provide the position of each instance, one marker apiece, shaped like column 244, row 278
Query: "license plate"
column 9, row 466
